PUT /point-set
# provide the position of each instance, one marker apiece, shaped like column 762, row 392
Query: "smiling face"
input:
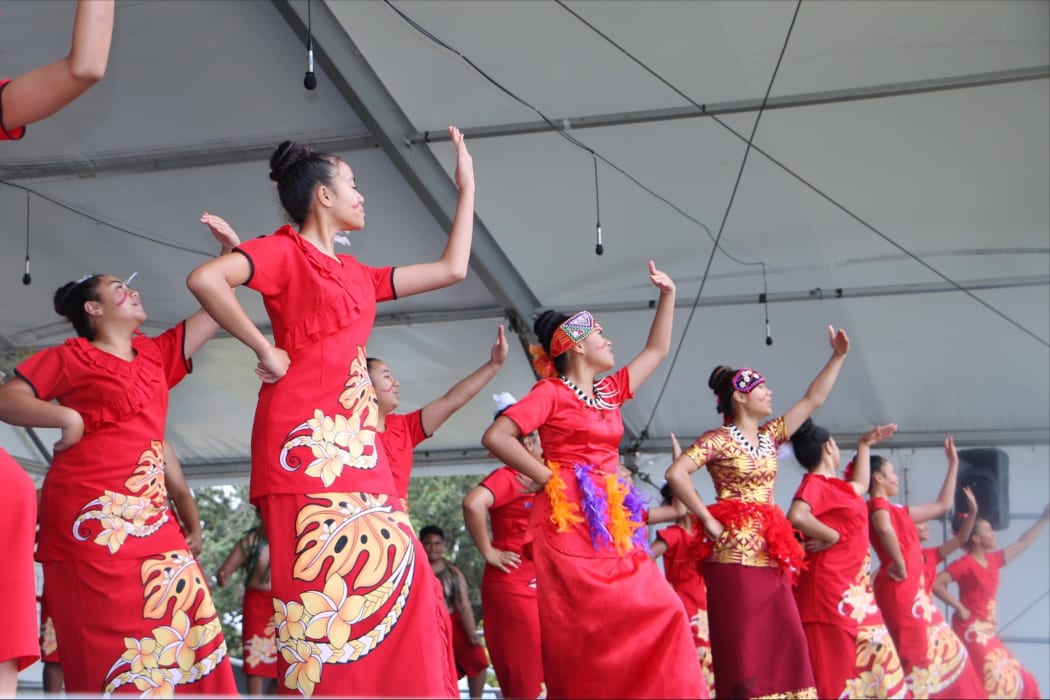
column 116, row 303
column 387, row 387
column 887, row 479
column 597, row 351
column 434, row 545
column 346, row 202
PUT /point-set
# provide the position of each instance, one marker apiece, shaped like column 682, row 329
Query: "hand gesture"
column 273, row 364
column 838, row 340
column 878, row 434
column 971, row 501
column 713, row 528
column 963, row 613
column 676, row 449
column 464, row 163
column 897, row 572
column 660, row 279
column 950, row 452
column 194, row 542
column 222, row 231
column 500, row 348
column 813, row 544
column 528, row 485
column 501, row 559
column 72, row 431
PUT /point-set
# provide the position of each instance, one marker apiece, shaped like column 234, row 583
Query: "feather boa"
column 595, row 507
column 637, row 504
column 564, row 515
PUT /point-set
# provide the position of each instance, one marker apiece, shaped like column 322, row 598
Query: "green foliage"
column 226, row 515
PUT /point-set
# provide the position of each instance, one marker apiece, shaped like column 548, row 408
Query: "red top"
column 315, row 429
column 573, row 434
column 931, row 557
column 834, row 588
column 978, row 584
column 403, row 432
column 680, row 567
column 509, row 517
column 908, row 536
column 105, row 497
column 6, row 135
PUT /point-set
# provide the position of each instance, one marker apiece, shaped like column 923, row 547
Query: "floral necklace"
column 597, row 401
column 765, row 445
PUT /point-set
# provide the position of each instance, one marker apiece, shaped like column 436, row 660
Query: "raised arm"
column 435, row 413
column 818, row 391
column 200, row 327
column 883, row 527
column 476, row 505
column 658, row 343
column 503, row 440
column 862, row 462
column 20, row 406
column 1028, row 538
column 963, row 535
column 182, row 497
column 682, row 487
column 818, row 535
column 452, row 266
column 928, row 511
column 44, row 90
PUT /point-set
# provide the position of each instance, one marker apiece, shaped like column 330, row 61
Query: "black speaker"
column 986, row 471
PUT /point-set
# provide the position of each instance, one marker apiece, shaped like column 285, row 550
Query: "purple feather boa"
column 595, row 506
column 637, row 503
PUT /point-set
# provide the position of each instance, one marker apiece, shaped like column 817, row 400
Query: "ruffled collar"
column 143, row 379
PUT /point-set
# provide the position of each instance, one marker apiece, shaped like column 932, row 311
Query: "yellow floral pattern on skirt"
column 348, row 617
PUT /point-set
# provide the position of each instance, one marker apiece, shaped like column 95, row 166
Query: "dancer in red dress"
column 933, row 556
column 508, row 586
column 935, row 661
column 607, row 615
column 401, row 432
column 353, row 596
column 852, row 653
column 749, row 552
column 18, row 645
column 977, row 575
column 131, row 608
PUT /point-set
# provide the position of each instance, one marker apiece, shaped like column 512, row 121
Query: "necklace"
column 765, row 445
column 597, row 401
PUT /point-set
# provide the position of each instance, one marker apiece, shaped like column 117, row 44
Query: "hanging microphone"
column 27, row 278
column 769, row 334
column 598, row 247
column 310, row 80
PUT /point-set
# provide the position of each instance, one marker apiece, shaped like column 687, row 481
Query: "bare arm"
column 44, row 90
column 929, row 511
column 963, row 535
column 862, row 463
column 476, row 505
column 463, row 607
column 657, row 548
column 503, row 440
column 678, row 477
column 20, row 406
column 665, row 514
column 818, row 391
column 200, row 327
column 452, row 266
column 940, row 589
column 435, row 413
column 182, row 497
column 883, row 526
column 658, row 343
column 818, row 535
column 1028, row 538
column 234, row 561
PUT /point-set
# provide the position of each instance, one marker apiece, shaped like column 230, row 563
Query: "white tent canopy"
column 904, row 157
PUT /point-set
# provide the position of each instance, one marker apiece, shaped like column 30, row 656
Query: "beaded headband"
column 572, row 331
column 746, row 380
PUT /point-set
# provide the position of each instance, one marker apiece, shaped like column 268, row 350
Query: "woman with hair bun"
column 749, row 552
column 607, row 615
column 354, row 598
column 131, row 607
column 851, row 649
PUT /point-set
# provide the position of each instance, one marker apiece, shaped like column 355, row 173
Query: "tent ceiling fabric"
column 198, row 92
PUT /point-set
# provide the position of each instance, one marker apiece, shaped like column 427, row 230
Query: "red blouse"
column 403, row 432
column 978, row 584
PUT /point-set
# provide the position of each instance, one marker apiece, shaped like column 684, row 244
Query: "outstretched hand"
column 971, row 501
column 464, row 163
column 949, row 450
column 878, row 433
column 222, row 231
column 500, row 350
column 660, row 279
column 839, row 340
column 676, row 449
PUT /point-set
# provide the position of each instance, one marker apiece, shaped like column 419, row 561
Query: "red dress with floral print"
column 354, row 598
column 1003, row 675
column 131, row 608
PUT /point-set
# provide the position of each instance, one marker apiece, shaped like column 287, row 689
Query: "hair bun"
column 61, row 299
column 285, row 157
column 719, row 376
column 545, row 326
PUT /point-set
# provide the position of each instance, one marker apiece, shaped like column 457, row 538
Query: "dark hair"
column 431, row 530
column 808, row 442
column 371, row 362
column 544, row 328
column 721, row 382
column 69, row 302
column 666, row 495
column 877, row 463
column 298, row 171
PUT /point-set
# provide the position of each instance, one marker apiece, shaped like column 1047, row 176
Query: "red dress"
column 14, row 134
column 1004, row 676
column 354, row 597
column 508, row 600
column 403, row 432
column 258, row 635
column 610, row 625
column 851, row 649
column 17, row 580
column 131, row 607
column 683, row 573
column 749, row 570
column 935, row 661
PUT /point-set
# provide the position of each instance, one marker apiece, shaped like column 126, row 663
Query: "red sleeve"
column 671, row 536
column 808, row 491
column 959, row 569
column 13, row 134
column 171, row 344
column 879, row 503
column 933, row 554
column 383, row 281
column 46, row 372
column 269, row 260
column 414, row 427
column 536, row 407
column 503, row 485
column 997, row 558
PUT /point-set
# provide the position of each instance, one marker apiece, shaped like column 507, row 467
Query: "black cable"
column 1017, row 617
column 721, row 229
column 804, row 181
column 95, row 219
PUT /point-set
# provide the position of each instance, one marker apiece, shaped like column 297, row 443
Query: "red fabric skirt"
column 257, row 633
column 145, row 626
column 611, row 627
column 48, row 641
column 512, row 633
column 356, row 602
column 17, row 576
column 470, row 659
column 1003, row 676
column 863, row 664
column 746, row 604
